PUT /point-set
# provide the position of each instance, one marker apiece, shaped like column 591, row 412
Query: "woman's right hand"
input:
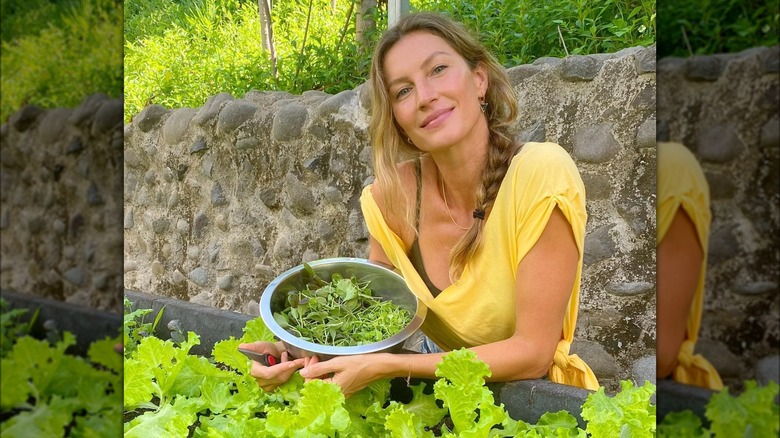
column 270, row 377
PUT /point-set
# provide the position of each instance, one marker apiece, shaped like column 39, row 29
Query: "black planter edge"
column 87, row 324
column 211, row 324
column 675, row 397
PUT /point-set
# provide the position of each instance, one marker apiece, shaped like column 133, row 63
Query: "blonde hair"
column 389, row 148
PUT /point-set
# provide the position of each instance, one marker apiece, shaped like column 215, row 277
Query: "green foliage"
column 716, row 26
column 520, row 31
column 12, row 327
column 54, row 54
column 752, row 413
column 29, row 17
column 169, row 392
column 134, row 327
column 46, row 392
column 628, row 413
column 179, row 53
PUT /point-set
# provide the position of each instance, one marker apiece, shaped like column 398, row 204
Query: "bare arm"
column 377, row 254
column 679, row 256
column 545, row 278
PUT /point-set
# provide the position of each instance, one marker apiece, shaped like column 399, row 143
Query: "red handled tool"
column 264, row 358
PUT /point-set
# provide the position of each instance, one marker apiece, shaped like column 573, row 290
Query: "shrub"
column 716, row 26
column 177, row 53
column 56, row 54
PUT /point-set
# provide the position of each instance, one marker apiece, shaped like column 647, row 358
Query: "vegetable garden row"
column 169, row 391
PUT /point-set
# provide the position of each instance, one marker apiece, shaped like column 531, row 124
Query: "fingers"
column 260, row 371
column 259, row 347
column 269, row 378
column 315, row 369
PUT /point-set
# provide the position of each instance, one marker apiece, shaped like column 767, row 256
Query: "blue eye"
column 402, row 92
column 439, row 68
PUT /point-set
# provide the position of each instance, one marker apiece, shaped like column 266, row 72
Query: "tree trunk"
column 267, row 32
column 364, row 23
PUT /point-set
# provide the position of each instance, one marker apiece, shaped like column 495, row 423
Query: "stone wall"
column 725, row 109
column 221, row 199
column 61, row 203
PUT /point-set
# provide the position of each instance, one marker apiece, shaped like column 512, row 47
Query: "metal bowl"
column 383, row 282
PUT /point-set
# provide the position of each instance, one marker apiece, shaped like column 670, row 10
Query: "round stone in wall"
column 580, row 68
column 129, row 222
column 177, row 277
column 233, row 114
column 629, row 289
column 719, row 143
column 75, row 276
column 157, row 268
column 149, row 117
column 182, row 226
column 595, row 144
column 176, row 125
column 225, row 282
column 218, row 195
column 644, row 370
column 600, row 361
column 199, row 276
column 288, row 122
column 768, row 369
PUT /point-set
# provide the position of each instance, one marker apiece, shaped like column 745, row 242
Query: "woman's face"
column 434, row 94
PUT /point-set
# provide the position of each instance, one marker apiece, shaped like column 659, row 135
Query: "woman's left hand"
column 352, row 373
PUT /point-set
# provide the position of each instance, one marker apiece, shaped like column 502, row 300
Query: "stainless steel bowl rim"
column 288, row 338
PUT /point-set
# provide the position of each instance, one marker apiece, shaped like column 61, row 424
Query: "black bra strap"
column 418, row 172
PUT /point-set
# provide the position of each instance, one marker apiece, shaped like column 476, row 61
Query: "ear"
column 481, row 79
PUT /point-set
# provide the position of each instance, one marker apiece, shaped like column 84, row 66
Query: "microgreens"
column 343, row 312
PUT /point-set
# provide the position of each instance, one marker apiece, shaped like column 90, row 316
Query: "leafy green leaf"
column 256, row 330
column 404, row 424
column 752, row 410
column 102, row 352
column 684, row 424
column 173, row 419
column 629, row 411
column 462, row 390
column 318, row 413
column 226, row 352
column 46, row 419
column 138, row 384
column 15, row 384
column 424, row 406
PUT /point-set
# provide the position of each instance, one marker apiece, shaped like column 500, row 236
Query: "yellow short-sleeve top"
column 480, row 307
column 681, row 184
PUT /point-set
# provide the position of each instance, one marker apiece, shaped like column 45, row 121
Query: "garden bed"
column 87, row 324
column 61, row 369
column 676, row 397
column 525, row 400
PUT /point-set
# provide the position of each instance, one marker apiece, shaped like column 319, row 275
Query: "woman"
column 489, row 238
column 683, row 215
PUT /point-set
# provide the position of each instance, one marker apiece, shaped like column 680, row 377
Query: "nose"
column 426, row 93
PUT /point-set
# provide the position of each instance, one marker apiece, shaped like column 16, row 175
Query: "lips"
column 436, row 117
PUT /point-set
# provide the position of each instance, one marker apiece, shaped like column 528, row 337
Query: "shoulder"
column 408, row 179
column 542, row 158
column 679, row 171
column 394, row 202
column 675, row 157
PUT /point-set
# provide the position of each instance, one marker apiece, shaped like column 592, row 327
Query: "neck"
column 460, row 172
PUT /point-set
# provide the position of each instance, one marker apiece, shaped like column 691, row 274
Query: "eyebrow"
column 426, row 61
